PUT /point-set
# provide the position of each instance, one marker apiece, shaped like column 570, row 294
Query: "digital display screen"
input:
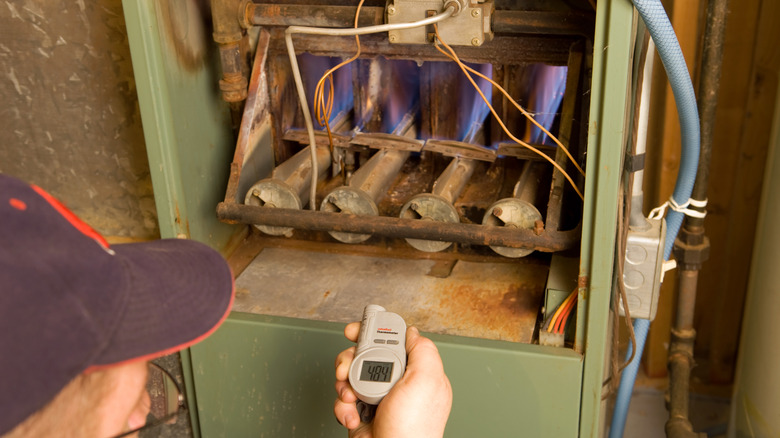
column 376, row 371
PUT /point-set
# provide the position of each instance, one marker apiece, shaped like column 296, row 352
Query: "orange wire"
column 455, row 58
column 558, row 312
column 527, row 115
column 561, row 323
column 323, row 110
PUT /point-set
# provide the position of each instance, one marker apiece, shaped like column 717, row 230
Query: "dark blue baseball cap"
column 71, row 303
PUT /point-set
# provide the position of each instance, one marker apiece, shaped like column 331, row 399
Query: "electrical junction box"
column 643, row 268
column 469, row 26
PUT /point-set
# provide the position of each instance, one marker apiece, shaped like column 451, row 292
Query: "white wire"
column 644, row 114
column 338, row 32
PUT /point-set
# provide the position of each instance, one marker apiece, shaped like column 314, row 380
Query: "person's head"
column 79, row 319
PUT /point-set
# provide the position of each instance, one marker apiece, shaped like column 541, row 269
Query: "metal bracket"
column 635, row 163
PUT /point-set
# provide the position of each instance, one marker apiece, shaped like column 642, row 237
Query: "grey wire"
column 447, row 12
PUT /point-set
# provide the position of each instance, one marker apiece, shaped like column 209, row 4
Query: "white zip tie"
column 667, row 265
column 659, row 212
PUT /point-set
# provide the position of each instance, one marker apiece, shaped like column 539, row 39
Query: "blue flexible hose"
column 654, row 16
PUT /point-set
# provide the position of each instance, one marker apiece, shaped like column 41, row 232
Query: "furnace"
column 399, row 182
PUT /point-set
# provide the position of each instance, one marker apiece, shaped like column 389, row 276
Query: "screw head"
column 475, row 13
column 392, row 37
column 391, row 10
column 475, row 41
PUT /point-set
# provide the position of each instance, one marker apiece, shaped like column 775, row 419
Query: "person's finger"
column 343, row 361
column 346, row 414
column 421, row 352
column 345, row 392
column 352, row 330
column 362, row 431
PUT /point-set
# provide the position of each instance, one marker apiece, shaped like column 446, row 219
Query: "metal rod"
column 450, row 184
column 527, row 185
column 547, row 241
column 712, row 60
column 296, row 172
column 286, row 188
column 374, row 177
column 686, row 301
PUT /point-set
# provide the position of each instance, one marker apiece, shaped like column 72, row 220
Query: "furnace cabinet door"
column 269, row 376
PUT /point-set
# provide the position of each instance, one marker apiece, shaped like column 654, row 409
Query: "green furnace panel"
column 273, row 377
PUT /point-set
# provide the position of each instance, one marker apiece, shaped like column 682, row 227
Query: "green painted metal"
column 606, row 140
column 186, row 128
column 269, row 376
column 188, row 139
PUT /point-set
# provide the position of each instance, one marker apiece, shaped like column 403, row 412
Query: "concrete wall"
column 69, row 118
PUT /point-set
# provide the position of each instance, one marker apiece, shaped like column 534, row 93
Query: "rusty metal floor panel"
column 483, row 300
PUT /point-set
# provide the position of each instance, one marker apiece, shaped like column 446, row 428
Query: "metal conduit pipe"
column 692, row 247
column 228, row 34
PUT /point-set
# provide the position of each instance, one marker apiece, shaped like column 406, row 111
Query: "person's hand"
column 417, row 406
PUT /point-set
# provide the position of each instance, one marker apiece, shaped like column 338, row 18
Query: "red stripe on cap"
column 72, row 218
column 171, row 350
column 17, row 204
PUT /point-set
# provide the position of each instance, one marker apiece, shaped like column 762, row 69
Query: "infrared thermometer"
column 380, row 358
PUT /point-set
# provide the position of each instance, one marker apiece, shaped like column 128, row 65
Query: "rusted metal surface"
column 313, row 241
column 491, row 300
column 548, row 241
column 553, row 50
column 452, row 148
column 509, row 22
column 380, row 140
column 516, row 150
column 441, row 91
column 449, row 185
column 485, row 187
column 313, row 15
column 568, row 108
column 228, row 35
column 440, row 114
column 321, row 137
column 284, row 103
column 255, row 113
column 544, row 22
